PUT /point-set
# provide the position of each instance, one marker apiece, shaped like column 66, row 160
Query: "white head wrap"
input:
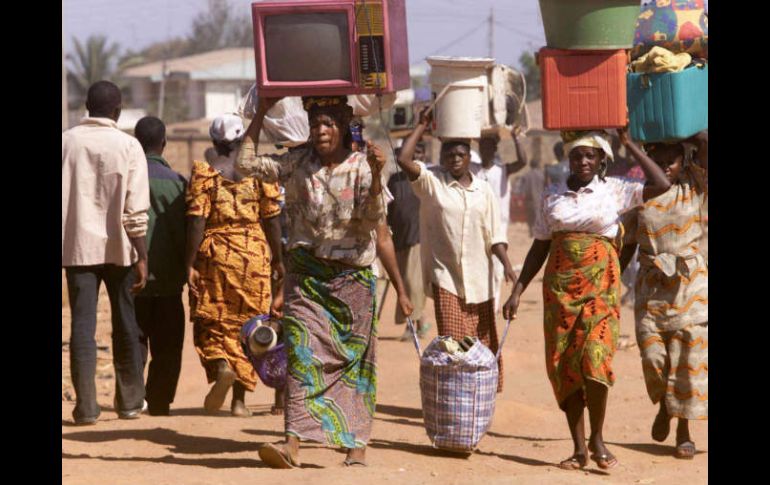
column 594, row 139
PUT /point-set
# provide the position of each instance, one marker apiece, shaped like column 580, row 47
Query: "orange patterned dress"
column 233, row 262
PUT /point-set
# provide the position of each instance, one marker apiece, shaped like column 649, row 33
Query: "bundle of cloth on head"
column 284, row 124
column 227, row 128
column 593, row 139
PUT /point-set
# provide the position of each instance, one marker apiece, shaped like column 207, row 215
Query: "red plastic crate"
column 583, row 89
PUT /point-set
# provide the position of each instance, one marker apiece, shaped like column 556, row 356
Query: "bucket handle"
column 416, row 341
column 438, row 98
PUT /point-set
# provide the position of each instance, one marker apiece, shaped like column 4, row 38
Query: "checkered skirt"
column 458, row 395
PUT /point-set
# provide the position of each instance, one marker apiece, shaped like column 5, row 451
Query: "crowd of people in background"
column 301, row 236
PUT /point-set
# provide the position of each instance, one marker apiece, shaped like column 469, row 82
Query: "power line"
column 459, row 38
column 519, row 32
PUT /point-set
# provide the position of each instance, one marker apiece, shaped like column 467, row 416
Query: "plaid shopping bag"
column 458, row 394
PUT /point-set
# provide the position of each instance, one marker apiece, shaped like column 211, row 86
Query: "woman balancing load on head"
column 672, row 291
column 334, row 204
column 460, row 224
column 576, row 230
column 231, row 222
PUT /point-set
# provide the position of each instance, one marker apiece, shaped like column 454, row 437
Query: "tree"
column 92, row 61
column 216, row 28
column 531, row 72
column 219, row 28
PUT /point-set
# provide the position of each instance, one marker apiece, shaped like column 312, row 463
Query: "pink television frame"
column 330, row 87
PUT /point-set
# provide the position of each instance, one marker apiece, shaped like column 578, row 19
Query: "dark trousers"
column 161, row 321
column 83, row 287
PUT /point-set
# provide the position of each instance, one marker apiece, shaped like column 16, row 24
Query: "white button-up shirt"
column 497, row 176
column 595, row 208
column 105, row 194
column 458, row 227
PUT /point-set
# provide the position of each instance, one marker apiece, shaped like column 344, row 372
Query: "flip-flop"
column 275, row 457
column 605, row 461
column 351, row 462
column 574, row 462
column 685, row 451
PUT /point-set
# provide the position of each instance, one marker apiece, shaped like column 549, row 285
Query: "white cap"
column 227, row 128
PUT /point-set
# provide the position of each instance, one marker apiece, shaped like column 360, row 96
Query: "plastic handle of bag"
column 502, row 340
column 414, row 336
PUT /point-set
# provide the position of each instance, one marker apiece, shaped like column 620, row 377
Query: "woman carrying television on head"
column 334, row 201
column 576, row 231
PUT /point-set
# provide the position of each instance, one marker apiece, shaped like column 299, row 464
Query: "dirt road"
column 528, row 436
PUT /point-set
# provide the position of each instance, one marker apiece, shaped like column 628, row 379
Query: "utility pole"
column 162, row 99
column 64, row 104
column 492, row 32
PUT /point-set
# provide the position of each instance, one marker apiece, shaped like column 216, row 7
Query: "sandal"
column 605, row 461
column 351, row 462
column 574, row 462
column 422, row 332
column 276, row 457
column 685, row 451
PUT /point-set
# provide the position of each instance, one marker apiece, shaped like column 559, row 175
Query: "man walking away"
column 105, row 199
column 159, row 309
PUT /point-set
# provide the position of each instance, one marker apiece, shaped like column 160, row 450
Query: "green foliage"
column 92, row 61
column 531, row 72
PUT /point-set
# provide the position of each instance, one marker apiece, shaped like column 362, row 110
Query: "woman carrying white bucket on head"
column 457, row 264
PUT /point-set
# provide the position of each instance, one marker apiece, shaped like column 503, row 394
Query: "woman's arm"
column 535, row 258
column 272, row 230
column 657, row 182
column 406, row 159
column 626, row 254
column 248, row 163
column 387, row 253
column 195, row 228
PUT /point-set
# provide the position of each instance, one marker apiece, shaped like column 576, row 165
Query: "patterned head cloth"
column 314, row 102
column 227, row 128
column 593, row 139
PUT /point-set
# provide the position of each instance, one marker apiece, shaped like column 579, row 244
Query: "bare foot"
column 239, row 409
column 216, row 396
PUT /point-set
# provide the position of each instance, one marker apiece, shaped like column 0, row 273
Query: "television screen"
column 307, row 47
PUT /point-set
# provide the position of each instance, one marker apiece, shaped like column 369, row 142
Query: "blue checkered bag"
column 458, row 393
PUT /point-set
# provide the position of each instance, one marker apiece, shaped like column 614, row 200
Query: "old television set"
column 330, row 47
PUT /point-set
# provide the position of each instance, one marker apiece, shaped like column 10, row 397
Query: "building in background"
column 198, row 86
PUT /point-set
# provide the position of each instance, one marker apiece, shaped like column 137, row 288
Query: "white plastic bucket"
column 459, row 86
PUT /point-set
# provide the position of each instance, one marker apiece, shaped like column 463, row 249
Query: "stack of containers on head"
column 584, row 65
column 474, row 97
column 668, row 73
